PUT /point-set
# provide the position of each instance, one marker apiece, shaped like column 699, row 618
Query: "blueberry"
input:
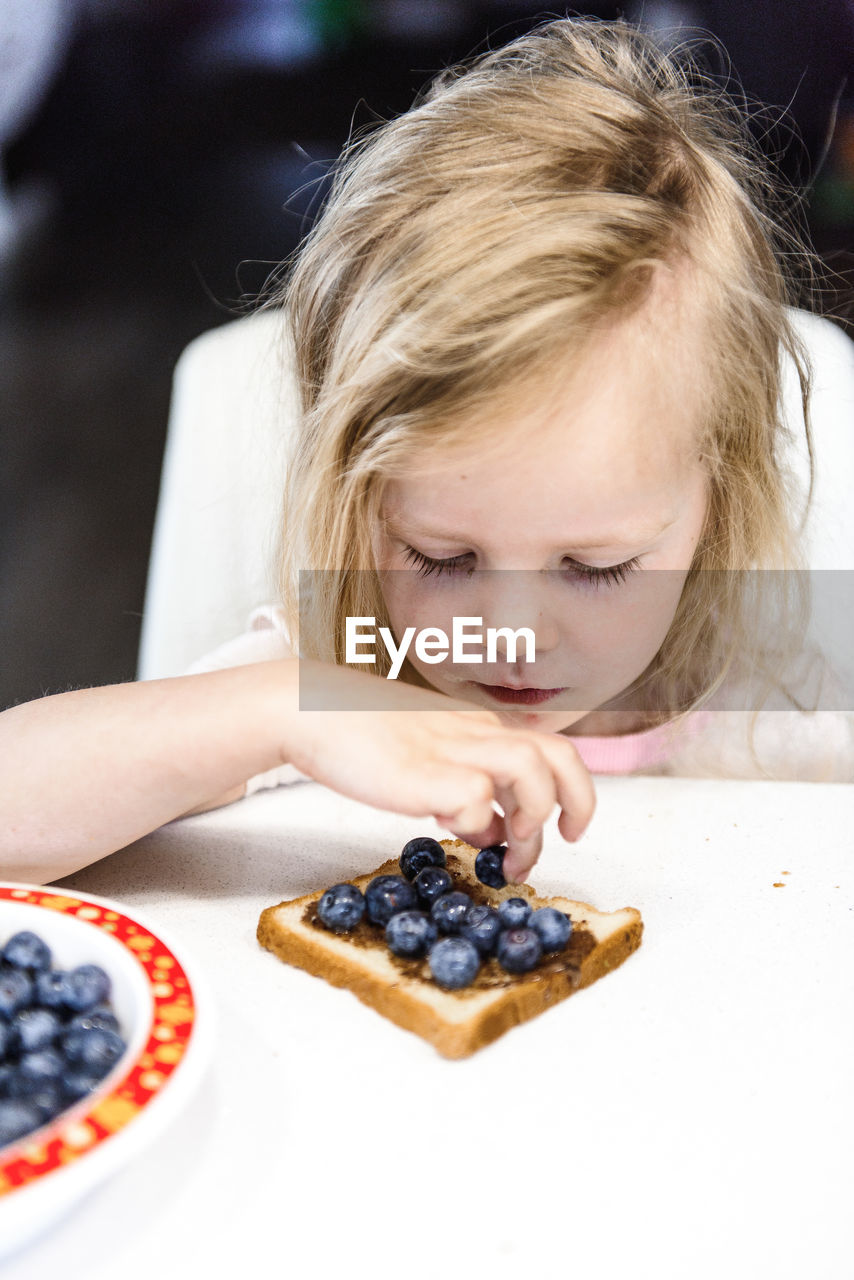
column 77, row 1083
column 7, row 1073
column 35, row 1029
column 419, row 853
column 482, row 927
column 73, row 991
column 16, row 991
column 449, row 911
column 101, row 1017
column 340, row 908
column 411, row 933
column 17, row 1118
column 454, row 962
column 52, row 990
column 386, row 895
column 488, row 866
column 431, row 883
column 519, row 950
column 553, row 927
column 49, row 1099
column 93, row 1051
column 35, row 1069
column 88, row 986
column 8, row 1040
column 514, row 913
column 26, row 950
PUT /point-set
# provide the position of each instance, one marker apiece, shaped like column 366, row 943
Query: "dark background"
column 158, row 176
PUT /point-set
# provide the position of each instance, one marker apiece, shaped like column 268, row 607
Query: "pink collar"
column 631, row 752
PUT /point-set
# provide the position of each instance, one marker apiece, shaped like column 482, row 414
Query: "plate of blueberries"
column 104, row 1034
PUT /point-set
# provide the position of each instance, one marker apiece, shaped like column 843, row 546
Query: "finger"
column 522, row 850
column 576, row 794
column 525, row 789
column 522, row 775
column 493, row 834
column 521, row 858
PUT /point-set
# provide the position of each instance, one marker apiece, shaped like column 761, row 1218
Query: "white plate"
column 166, row 1018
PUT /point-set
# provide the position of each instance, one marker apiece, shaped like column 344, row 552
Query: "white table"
column 690, row 1116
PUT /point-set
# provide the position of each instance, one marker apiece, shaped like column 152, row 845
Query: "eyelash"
column 426, row 565
column 612, row 575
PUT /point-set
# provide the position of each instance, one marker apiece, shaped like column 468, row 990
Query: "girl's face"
column 584, row 492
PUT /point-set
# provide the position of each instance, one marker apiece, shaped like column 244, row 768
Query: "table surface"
column 689, row 1116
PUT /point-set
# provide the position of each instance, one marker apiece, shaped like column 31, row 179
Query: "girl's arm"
column 85, row 773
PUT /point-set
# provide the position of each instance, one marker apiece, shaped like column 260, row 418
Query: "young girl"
column 538, row 328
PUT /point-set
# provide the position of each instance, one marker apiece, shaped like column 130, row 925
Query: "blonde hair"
column 473, row 242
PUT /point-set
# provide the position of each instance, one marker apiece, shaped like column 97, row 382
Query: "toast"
column 459, row 1022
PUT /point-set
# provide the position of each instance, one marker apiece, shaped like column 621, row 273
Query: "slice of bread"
column 458, row 1022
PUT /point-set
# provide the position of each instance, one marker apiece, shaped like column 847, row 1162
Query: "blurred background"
column 159, row 157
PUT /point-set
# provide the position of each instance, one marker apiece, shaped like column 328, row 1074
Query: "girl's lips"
column 524, row 697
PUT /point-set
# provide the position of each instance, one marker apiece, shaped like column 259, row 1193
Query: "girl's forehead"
column 528, row 513
column 609, row 442
column 467, row 510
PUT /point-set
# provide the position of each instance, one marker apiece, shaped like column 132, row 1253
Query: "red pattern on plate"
column 96, row 1118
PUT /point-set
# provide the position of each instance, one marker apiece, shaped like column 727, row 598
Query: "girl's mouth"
column 522, row 697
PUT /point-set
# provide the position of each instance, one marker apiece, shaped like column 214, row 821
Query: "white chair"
column 234, row 402
column 215, row 535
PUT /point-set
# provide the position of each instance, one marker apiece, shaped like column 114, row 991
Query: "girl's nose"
column 517, row 600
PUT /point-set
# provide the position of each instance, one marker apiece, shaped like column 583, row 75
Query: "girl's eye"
column 426, row 565
column 611, row 576
column 587, row 574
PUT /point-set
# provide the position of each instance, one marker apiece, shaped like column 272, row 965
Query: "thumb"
column 493, row 834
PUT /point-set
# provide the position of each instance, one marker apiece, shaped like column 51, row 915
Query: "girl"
column 538, row 328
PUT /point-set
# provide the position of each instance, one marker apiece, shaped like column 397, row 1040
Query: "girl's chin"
column 547, row 721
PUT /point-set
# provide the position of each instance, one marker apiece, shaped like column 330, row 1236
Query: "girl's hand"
column 440, row 758
column 87, row 772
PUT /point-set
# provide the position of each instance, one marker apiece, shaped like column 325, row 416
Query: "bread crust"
column 456, row 1023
